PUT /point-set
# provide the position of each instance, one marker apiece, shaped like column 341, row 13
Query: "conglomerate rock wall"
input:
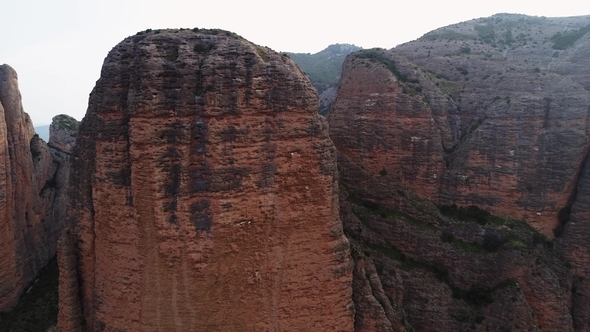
column 521, row 121
column 203, row 194
column 491, row 115
column 29, row 185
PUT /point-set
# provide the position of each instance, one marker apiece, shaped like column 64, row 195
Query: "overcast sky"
column 58, row 46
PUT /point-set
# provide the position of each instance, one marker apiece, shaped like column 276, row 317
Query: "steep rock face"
column 493, row 113
column 27, row 190
column 479, row 123
column 63, row 132
column 577, row 249
column 385, row 126
column 521, row 122
column 416, row 269
column 203, row 195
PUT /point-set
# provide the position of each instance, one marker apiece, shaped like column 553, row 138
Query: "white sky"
column 58, row 46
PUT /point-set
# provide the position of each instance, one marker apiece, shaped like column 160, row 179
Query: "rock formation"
column 418, row 269
column 323, row 69
column 63, row 132
column 520, row 124
column 29, row 185
column 480, row 122
column 203, row 194
column 490, row 115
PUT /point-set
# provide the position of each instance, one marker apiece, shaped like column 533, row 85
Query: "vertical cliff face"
column 27, row 190
column 417, row 269
column 521, row 118
column 204, row 194
column 475, row 128
column 577, row 250
column 491, row 113
column 389, row 127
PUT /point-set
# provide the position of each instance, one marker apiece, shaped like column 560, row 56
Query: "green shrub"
column 447, row 34
column 371, row 205
column 440, row 271
column 173, row 55
column 465, row 49
column 492, row 242
column 200, row 48
column 462, row 70
column 479, row 295
column 470, row 213
column 376, row 55
column 563, row 40
column 539, row 238
column 486, row 33
column 447, row 237
column 508, row 38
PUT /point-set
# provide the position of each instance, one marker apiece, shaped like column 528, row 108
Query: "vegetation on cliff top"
column 376, row 55
column 67, row 123
column 325, row 67
column 568, row 38
column 202, row 31
column 508, row 30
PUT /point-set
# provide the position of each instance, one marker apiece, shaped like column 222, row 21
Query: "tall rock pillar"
column 28, row 229
column 203, row 195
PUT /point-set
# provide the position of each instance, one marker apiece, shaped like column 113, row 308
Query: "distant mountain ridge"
column 324, row 69
column 43, row 132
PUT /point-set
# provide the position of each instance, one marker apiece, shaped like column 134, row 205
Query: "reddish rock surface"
column 28, row 187
column 418, row 270
column 520, row 125
column 376, row 124
column 484, row 150
column 488, row 113
column 204, row 196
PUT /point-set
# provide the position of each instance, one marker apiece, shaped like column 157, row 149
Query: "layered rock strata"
column 204, row 194
column 491, row 113
column 29, row 185
column 493, row 133
column 521, row 124
column 416, row 269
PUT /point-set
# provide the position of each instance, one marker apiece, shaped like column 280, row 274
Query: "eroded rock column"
column 204, row 195
column 28, row 187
